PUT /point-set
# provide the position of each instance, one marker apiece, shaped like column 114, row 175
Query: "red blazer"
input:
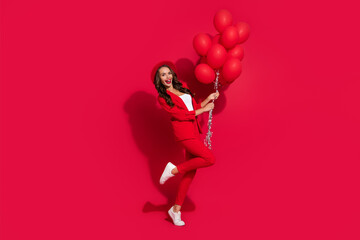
column 184, row 122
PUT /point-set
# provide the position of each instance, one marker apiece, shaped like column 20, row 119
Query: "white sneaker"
column 176, row 217
column 167, row 173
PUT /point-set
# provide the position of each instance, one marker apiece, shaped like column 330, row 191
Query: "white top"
column 188, row 101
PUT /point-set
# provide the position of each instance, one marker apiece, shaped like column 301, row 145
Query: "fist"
column 213, row 96
column 209, row 107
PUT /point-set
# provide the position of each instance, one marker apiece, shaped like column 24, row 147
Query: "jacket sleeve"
column 197, row 105
column 177, row 113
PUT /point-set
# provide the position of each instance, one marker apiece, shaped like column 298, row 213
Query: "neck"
column 171, row 88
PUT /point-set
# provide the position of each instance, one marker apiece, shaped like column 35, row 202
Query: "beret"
column 169, row 63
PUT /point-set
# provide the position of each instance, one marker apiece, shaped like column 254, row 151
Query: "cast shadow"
column 152, row 132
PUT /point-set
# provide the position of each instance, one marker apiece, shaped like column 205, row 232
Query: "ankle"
column 176, row 208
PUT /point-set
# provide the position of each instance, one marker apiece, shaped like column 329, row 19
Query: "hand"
column 208, row 107
column 213, row 96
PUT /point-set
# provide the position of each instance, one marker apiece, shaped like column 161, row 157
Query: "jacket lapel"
column 176, row 98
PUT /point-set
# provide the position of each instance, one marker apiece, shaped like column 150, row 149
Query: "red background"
column 83, row 140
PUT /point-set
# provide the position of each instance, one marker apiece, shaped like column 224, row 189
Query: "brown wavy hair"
column 175, row 82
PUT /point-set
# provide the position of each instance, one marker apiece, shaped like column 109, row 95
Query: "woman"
column 179, row 102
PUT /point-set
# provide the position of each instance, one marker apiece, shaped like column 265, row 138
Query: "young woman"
column 179, row 102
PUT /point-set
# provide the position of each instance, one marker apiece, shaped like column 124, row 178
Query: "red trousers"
column 197, row 156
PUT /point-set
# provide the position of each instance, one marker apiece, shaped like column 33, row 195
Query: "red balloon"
column 216, row 39
column 222, row 19
column 229, row 37
column 216, row 56
column 204, row 73
column 231, row 70
column 202, row 43
column 236, row 52
column 243, row 30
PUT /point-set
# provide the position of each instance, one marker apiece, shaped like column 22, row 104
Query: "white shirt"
column 188, row 101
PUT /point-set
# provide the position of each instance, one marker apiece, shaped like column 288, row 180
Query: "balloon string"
column 207, row 140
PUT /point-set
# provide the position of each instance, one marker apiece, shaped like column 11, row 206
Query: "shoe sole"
column 163, row 175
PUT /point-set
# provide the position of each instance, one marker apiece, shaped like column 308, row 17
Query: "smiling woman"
column 178, row 101
column 165, row 76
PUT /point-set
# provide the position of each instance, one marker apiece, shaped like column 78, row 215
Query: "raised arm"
column 212, row 96
column 177, row 113
column 206, row 108
column 184, row 115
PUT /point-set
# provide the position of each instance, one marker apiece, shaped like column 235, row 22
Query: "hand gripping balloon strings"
column 207, row 140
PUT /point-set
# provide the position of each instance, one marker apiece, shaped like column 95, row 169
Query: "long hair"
column 162, row 89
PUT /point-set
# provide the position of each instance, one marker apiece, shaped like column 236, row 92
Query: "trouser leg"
column 197, row 156
column 184, row 186
column 202, row 156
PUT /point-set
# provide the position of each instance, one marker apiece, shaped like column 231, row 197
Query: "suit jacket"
column 184, row 122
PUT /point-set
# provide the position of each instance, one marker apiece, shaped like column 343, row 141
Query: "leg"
column 184, row 184
column 197, row 155
column 202, row 156
column 183, row 188
column 181, row 193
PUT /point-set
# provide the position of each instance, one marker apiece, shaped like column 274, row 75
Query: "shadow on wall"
column 152, row 132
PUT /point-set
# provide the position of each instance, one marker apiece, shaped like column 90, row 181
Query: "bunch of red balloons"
column 223, row 52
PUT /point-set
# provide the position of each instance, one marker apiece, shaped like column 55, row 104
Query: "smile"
column 168, row 81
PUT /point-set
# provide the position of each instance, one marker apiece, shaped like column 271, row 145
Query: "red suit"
column 187, row 132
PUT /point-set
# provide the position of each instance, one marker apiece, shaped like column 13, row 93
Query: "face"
column 166, row 76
